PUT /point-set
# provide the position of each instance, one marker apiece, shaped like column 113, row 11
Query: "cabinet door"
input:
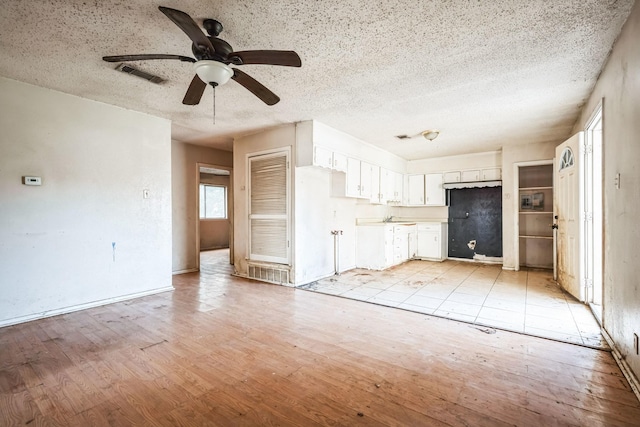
column 416, row 190
column 395, row 192
column 376, row 196
column 491, row 174
column 434, row 190
column 451, row 176
column 366, row 171
column 429, row 244
column 339, row 162
column 353, row 178
column 471, row 176
column 322, row 157
column 385, row 185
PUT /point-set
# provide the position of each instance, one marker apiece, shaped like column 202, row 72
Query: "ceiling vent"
column 403, row 136
column 143, row 75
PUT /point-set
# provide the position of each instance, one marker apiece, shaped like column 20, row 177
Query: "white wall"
column 184, row 184
column 515, row 154
column 95, row 160
column 274, row 138
column 619, row 86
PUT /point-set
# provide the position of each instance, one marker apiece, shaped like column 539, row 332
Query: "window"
column 213, row 201
column 567, row 158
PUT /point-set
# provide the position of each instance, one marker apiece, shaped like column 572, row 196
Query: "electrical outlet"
column 635, row 343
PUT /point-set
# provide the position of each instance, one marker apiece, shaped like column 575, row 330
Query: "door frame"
column 516, row 209
column 229, row 208
column 594, row 210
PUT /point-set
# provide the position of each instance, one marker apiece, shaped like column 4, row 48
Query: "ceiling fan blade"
column 195, row 91
column 191, row 29
column 255, row 87
column 144, row 57
column 287, row 58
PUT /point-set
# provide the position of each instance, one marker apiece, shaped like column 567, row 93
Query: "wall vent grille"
column 269, row 274
column 142, row 74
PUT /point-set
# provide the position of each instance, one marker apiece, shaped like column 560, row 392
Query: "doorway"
column 214, row 204
column 593, row 213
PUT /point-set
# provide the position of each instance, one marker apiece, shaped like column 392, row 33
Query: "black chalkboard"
column 475, row 214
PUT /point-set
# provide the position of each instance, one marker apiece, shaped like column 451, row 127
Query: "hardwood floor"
column 225, row 351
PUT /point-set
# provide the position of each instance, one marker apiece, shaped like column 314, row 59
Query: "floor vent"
column 135, row 72
column 269, row 273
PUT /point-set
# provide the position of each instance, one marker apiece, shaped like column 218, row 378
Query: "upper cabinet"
column 326, row 158
column 449, row 177
column 415, row 191
column 425, row 190
column 472, row 175
column 434, row 192
column 355, row 182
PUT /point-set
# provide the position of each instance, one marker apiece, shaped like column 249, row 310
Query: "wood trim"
column 73, row 308
column 622, row 364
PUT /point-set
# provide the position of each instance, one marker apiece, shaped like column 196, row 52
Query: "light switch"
column 31, row 180
column 145, row 194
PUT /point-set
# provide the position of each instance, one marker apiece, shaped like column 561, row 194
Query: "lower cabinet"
column 432, row 241
column 381, row 246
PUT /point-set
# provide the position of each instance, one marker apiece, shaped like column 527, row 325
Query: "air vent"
column 269, row 273
column 143, row 75
column 403, row 136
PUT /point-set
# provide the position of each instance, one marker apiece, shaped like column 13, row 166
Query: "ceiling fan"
column 213, row 57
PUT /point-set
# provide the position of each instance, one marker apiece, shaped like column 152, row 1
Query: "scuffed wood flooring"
column 225, row 351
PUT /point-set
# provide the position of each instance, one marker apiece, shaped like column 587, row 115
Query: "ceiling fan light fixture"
column 430, row 134
column 213, row 72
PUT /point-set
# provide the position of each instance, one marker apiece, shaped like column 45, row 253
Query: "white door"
column 567, row 209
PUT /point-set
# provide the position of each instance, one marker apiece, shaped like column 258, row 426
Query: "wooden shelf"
column 536, row 237
column 535, row 188
column 535, row 212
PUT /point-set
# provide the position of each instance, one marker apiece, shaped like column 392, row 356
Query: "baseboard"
column 71, row 309
column 622, row 363
column 188, row 270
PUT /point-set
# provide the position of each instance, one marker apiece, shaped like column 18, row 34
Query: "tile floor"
column 526, row 301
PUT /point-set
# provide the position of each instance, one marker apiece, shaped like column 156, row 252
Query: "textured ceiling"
column 485, row 73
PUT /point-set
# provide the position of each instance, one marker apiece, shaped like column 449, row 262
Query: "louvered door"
column 269, row 208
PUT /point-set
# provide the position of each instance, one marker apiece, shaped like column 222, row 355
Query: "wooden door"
column 566, row 206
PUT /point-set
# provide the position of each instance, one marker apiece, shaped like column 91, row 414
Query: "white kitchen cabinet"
column 325, row 158
column 377, row 195
column 356, row 182
column 494, row 174
column 416, row 190
column 434, row 192
column 449, row 177
column 432, row 241
column 374, row 246
column 397, row 180
column 322, row 157
column 470, row 176
column 366, row 171
column 381, row 246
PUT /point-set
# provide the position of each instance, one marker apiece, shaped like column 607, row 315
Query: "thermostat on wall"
column 31, row 180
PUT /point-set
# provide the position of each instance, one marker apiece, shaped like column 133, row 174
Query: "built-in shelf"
column 535, row 215
column 535, row 188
